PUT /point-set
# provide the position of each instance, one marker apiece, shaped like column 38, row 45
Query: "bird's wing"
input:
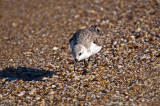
column 70, row 40
column 96, row 37
column 85, row 36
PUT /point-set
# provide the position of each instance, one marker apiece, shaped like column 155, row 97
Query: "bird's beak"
column 76, row 60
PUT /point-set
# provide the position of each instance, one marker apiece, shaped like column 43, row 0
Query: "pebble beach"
column 37, row 66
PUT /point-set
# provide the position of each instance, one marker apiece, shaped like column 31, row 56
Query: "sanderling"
column 85, row 43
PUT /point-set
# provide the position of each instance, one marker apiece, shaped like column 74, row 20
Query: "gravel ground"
column 36, row 65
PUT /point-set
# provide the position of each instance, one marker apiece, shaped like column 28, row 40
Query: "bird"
column 85, row 43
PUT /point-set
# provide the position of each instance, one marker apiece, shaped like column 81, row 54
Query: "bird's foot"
column 84, row 72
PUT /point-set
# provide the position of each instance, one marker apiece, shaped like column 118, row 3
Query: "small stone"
column 51, row 92
column 71, row 69
column 130, row 55
column 130, row 99
column 92, row 11
column 120, row 66
column 44, row 78
column 82, row 27
column 89, row 66
column 4, row 79
column 5, row 38
column 38, row 97
column 14, row 24
column 32, row 91
column 53, row 86
column 21, row 93
column 27, row 53
column 55, row 48
column 106, row 52
column 10, row 59
column 76, row 16
column 158, row 65
column 143, row 100
column 98, row 1
column 138, row 29
column 120, row 103
column 96, row 79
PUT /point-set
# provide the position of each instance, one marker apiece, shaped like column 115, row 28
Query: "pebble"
column 53, row 86
column 38, row 98
column 32, row 91
column 55, row 48
column 21, row 93
column 51, row 92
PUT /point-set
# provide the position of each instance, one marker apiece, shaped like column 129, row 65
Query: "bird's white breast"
column 95, row 48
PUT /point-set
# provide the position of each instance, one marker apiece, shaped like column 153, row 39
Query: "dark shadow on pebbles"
column 26, row 74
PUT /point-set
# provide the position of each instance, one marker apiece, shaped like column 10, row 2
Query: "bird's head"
column 79, row 52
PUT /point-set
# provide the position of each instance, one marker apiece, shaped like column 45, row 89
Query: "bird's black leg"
column 85, row 66
column 75, row 66
column 88, row 60
column 95, row 59
column 75, row 63
column 85, row 63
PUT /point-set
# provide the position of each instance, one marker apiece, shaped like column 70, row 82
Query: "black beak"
column 76, row 60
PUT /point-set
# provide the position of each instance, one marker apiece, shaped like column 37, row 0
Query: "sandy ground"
column 36, row 65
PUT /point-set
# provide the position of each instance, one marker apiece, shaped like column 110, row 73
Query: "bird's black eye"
column 80, row 54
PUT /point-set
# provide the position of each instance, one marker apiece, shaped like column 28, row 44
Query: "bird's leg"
column 85, row 63
column 85, row 66
column 75, row 63
column 95, row 60
column 75, row 66
column 88, row 60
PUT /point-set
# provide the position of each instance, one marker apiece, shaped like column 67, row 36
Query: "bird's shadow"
column 24, row 73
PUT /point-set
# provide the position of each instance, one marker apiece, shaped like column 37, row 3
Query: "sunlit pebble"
column 51, row 92
column 28, row 97
column 114, row 42
column 21, row 93
column 143, row 100
column 10, row 59
column 53, row 86
column 44, row 78
column 55, row 48
column 38, row 97
column 120, row 66
column 98, row 1
column 76, row 16
column 14, row 24
column 4, row 79
column 133, row 105
column 138, row 29
column 32, row 91
column 105, row 52
column 26, row 86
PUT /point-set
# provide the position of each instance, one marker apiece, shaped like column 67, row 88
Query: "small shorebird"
column 85, row 43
